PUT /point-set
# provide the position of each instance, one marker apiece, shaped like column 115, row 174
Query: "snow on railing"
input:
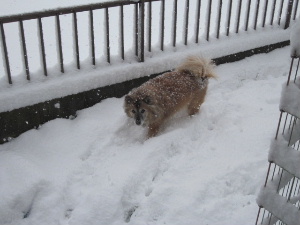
column 279, row 198
column 130, row 30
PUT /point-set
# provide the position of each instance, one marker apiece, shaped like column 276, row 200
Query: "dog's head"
column 138, row 108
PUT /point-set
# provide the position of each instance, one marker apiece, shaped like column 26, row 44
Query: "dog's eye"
column 133, row 111
column 143, row 110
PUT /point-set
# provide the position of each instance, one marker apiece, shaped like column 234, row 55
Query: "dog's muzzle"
column 138, row 122
column 138, row 119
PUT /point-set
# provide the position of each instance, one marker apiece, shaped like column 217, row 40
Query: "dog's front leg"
column 153, row 130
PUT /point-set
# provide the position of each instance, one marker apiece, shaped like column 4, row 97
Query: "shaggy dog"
column 155, row 101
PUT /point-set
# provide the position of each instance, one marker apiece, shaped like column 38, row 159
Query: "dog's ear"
column 128, row 99
column 147, row 100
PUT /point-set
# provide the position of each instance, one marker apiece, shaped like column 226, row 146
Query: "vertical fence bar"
column 43, row 53
column 288, row 14
column 76, row 39
column 239, row 16
column 122, row 31
column 92, row 36
column 24, row 50
column 162, row 29
column 174, row 23
column 262, row 218
column 268, row 173
column 248, row 15
column 149, row 26
column 58, row 31
column 208, row 20
column 141, row 30
column 229, row 18
column 265, row 13
column 136, row 27
column 107, row 35
column 186, row 30
column 8, row 73
column 257, row 217
column 219, row 18
column 291, row 133
column 285, row 123
column 273, row 12
column 290, row 72
column 280, row 12
column 295, row 9
column 256, row 14
column 278, row 126
column 198, row 21
column 291, row 189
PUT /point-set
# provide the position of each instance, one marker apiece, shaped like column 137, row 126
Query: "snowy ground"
column 99, row 169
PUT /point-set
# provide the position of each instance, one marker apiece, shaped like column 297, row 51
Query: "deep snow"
column 99, row 169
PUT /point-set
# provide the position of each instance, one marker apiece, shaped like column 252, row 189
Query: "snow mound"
column 290, row 96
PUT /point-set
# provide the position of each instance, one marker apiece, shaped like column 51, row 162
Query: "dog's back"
column 173, row 90
column 169, row 91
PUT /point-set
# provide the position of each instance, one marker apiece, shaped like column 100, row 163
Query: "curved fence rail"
column 125, row 30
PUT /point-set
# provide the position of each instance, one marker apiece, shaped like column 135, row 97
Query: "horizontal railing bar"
column 67, row 10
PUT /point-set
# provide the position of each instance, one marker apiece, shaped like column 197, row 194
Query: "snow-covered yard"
column 99, row 169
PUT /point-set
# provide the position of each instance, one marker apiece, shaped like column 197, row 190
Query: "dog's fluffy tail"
column 198, row 67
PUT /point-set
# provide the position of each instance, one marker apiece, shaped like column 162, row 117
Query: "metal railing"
column 190, row 22
column 282, row 180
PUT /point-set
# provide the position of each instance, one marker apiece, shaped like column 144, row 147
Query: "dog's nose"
column 138, row 122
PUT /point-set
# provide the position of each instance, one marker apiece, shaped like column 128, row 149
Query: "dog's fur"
column 155, row 101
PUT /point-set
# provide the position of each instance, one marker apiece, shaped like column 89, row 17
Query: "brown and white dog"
column 155, row 101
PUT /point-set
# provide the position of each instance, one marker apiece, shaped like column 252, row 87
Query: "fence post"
column 5, row 53
column 288, row 14
column 141, row 31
